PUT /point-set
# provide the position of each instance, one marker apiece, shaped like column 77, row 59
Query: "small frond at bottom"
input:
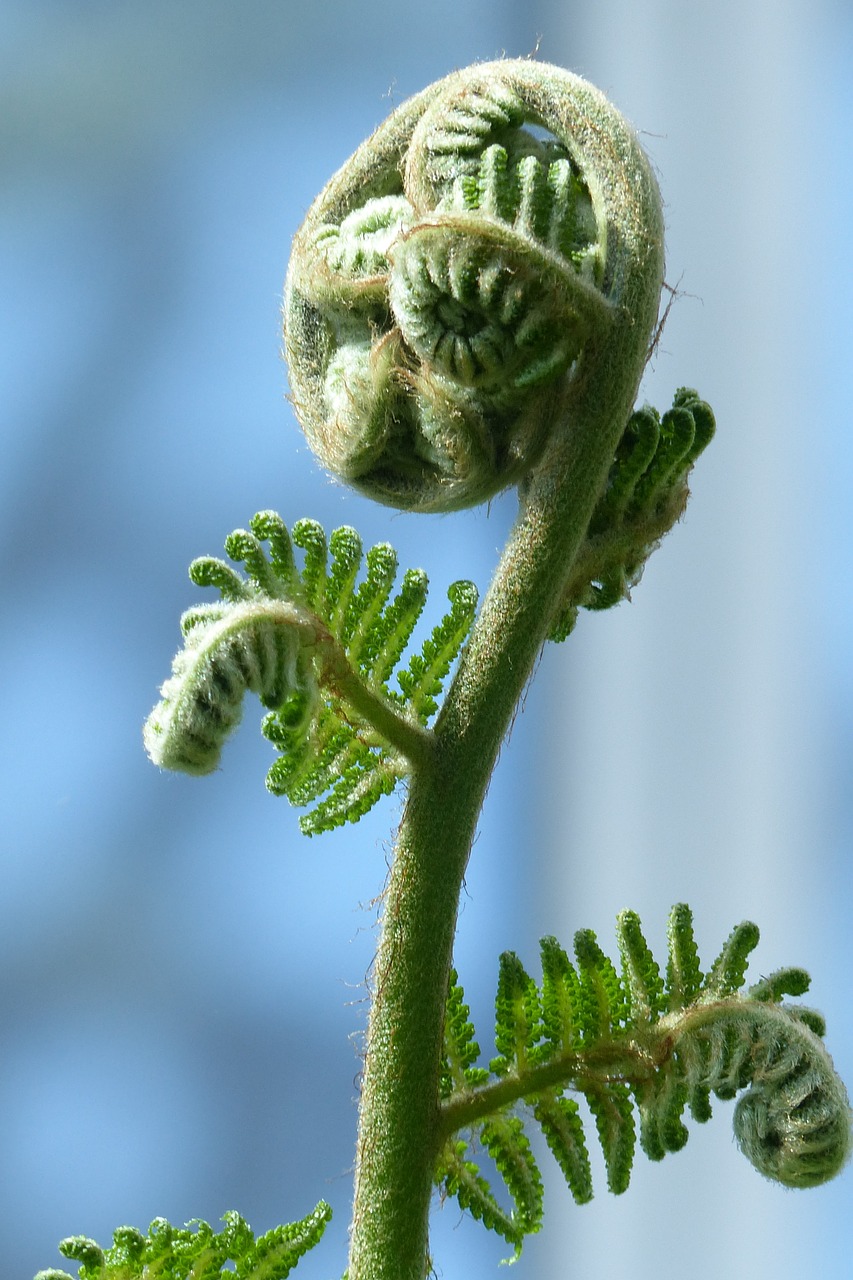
column 195, row 1252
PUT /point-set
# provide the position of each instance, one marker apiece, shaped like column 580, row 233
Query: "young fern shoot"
column 319, row 652
column 469, row 307
column 634, row 1038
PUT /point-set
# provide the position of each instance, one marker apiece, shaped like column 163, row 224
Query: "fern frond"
column 507, row 1143
column 562, row 1000
column 320, row 650
column 640, row 973
column 729, row 969
column 194, row 1252
column 683, row 975
column 604, row 1000
column 645, row 494
column 638, row 1044
column 423, row 679
column 610, row 1104
column 310, row 537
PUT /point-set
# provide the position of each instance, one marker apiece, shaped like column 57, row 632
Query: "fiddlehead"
column 319, row 650
column 195, row 1252
column 445, row 283
column 636, row 1039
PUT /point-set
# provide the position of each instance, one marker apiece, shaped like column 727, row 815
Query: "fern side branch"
column 625, row 1061
column 412, row 740
column 638, row 1041
column 319, row 651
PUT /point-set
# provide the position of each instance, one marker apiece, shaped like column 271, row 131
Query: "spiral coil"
column 444, row 286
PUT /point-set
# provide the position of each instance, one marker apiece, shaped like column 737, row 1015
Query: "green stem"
column 400, row 1121
column 411, row 740
column 609, row 1061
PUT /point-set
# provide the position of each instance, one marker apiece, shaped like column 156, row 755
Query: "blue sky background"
column 181, row 974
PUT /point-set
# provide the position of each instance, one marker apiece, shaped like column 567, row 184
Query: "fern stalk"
column 399, row 1112
column 410, row 739
column 399, row 1122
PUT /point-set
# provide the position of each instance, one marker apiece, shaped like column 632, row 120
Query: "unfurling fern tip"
column 642, row 1046
column 324, row 653
column 446, row 283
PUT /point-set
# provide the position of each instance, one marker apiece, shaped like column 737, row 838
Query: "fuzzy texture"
column 581, row 415
column 471, row 303
column 195, row 1252
column 440, row 294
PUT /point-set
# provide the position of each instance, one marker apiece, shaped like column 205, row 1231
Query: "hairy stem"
column 611, row 1060
column 410, row 739
column 400, row 1122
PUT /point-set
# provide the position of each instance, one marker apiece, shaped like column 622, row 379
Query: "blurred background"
column 182, row 987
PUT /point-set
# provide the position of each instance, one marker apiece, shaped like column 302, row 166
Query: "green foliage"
column 320, row 650
column 517, row 1015
column 633, row 1041
column 461, row 1178
column 194, row 1252
column 645, row 494
column 469, row 306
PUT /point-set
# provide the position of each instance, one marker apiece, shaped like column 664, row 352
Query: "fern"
column 194, row 1252
column 642, row 1048
column 320, row 652
column 469, row 308
column 645, row 494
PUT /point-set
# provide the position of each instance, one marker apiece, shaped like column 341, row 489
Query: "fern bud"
column 448, row 280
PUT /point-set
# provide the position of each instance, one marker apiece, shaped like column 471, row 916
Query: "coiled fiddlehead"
column 636, row 1038
column 446, row 281
column 195, row 1252
column 319, row 651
